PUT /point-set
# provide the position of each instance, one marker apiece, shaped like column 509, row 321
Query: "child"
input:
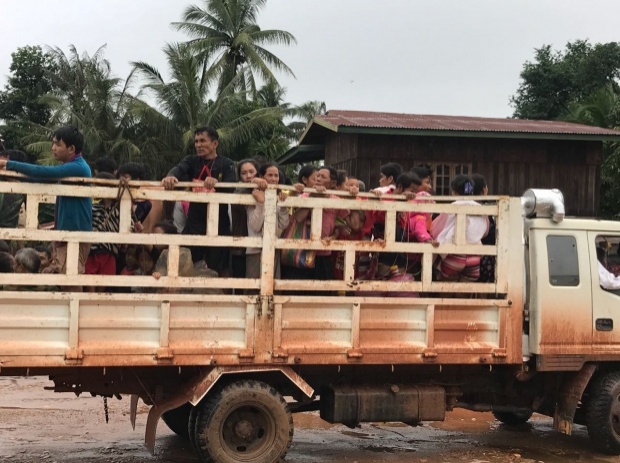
column 256, row 219
column 413, row 224
column 458, row 267
column 27, row 260
column 426, row 176
column 106, row 218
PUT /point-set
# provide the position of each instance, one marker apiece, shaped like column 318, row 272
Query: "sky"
column 452, row 57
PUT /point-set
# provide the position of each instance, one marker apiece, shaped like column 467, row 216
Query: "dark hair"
column 341, row 177
column 479, row 184
column 6, row 262
column 43, row 248
column 14, row 155
column 260, row 159
column 167, row 227
column 601, row 254
column 422, row 172
column 391, row 169
column 105, row 176
column 246, row 161
column 106, row 164
column 306, row 171
column 361, row 185
column 333, row 173
column 263, row 168
column 463, row 185
column 284, row 180
column 71, row 136
column 136, row 170
column 211, row 133
column 4, row 246
column 406, row 179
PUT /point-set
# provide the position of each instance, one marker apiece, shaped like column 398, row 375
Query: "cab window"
column 563, row 260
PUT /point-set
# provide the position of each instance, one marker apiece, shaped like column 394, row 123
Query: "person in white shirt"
column 607, row 280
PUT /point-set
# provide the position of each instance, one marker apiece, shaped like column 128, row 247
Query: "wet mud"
column 41, row 426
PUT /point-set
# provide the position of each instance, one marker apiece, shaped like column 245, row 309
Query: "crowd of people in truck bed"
column 205, row 169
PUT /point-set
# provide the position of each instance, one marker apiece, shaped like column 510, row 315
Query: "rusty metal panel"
column 398, row 326
column 336, row 118
column 26, row 329
column 195, row 326
column 119, row 325
column 466, row 327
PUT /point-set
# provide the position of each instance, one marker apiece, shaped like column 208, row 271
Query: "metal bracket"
column 164, row 354
column 74, row 356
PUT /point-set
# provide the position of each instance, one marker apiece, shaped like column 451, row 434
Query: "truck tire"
column 177, row 418
column 513, row 418
column 245, row 421
column 603, row 413
column 191, row 426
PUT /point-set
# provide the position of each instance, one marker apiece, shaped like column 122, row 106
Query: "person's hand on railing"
column 169, row 182
column 409, row 195
column 210, row 183
column 433, row 243
column 376, row 192
column 3, row 163
column 138, row 227
column 354, row 190
column 261, row 183
column 259, row 195
column 320, row 189
column 156, row 275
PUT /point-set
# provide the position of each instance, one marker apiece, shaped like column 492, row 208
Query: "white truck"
column 227, row 370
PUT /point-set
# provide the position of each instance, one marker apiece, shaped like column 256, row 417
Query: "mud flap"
column 133, row 410
column 182, row 396
column 570, row 395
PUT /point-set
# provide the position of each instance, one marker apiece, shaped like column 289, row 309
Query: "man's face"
column 205, row 147
column 385, row 181
column 60, row 150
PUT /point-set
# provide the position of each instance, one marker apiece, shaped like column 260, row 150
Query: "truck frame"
column 227, row 370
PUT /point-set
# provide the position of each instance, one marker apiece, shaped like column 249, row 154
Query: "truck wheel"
column 513, row 418
column 247, row 421
column 191, row 426
column 603, row 413
column 177, row 418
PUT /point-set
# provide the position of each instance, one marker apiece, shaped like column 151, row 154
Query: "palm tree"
column 87, row 95
column 306, row 112
column 182, row 104
column 227, row 39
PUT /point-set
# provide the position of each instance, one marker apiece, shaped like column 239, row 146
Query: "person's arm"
column 70, row 169
column 256, row 217
column 181, row 172
column 607, row 279
column 283, row 217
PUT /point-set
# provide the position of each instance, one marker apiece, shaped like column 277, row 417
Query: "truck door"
column 560, row 312
column 605, row 302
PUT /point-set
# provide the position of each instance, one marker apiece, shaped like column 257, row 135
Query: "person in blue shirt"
column 72, row 214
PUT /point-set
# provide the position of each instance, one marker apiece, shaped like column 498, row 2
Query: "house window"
column 443, row 173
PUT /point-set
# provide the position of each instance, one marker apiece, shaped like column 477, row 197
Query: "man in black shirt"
column 206, row 168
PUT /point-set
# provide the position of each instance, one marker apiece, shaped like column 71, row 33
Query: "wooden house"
column 512, row 154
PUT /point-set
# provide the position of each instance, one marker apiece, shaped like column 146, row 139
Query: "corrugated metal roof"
column 379, row 120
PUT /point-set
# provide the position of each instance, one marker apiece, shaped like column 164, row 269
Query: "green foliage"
column 556, row 79
column 150, row 118
column 578, row 85
column 20, row 105
column 226, row 39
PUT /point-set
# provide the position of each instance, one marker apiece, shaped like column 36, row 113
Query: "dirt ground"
column 41, row 426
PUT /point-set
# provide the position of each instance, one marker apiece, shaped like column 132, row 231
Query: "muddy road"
column 41, row 426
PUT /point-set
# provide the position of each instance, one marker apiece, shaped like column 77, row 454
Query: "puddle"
column 382, row 449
